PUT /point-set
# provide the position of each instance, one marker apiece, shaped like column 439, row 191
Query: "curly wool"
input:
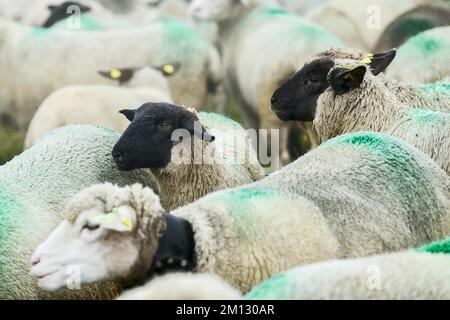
column 146, row 204
column 372, row 107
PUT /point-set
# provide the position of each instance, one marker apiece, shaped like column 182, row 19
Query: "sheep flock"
column 224, row 149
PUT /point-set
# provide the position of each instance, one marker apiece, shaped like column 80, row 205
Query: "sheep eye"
column 164, row 124
column 90, row 227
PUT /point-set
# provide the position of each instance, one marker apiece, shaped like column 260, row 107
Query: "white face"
column 96, row 247
column 216, row 10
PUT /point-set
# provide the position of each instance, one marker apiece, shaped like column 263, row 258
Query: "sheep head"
column 297, row 98
column 109, row 233
column 215, row 10
column 155, row 130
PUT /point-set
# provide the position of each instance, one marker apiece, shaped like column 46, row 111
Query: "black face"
column 147, row 142
column 297, row 98
column 62, row 11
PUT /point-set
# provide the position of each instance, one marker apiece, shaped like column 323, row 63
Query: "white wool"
column 183, row 286
column 423, row 58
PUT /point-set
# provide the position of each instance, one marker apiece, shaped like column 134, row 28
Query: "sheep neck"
column 176, row 249
column 369, row 108
column 238, row 14
column 181, row 184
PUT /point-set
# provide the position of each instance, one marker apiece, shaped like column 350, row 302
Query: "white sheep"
column 248, row 28
column 183, row 286
column 33, row 189
column 50, row 56
column 358, row 101
column 100, row 104
column 192, row 168
column 337, row 201
column 359, row 23
column 423, row 58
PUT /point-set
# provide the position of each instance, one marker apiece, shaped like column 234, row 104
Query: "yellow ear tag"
column 366, row 60
column 346, row 68
column 348, row 76
column 169, row 69
column 127, row 223
column 105, row 218
column 115, row 73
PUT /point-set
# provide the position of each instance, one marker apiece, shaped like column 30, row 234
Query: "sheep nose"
column 35, row 261
column 117, row 155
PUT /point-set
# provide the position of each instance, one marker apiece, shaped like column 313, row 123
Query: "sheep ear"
column 128, row 113
column 122, row 219
column 380, row 61
column 52, row 7
column 343, row 80
column 193, row 125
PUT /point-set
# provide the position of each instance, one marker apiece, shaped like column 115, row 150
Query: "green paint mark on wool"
column 242, row 200
column 274, row 12
column 10, row 210
column 38, row 32
column 269, row 289
column 369, row 139
column 88, row 23
column 392, row 150
column 177, row 31
column 216, row 117
column 442, row 246
column 425, row 43
column 423, row 114
column 436, row 87
column 310, row 32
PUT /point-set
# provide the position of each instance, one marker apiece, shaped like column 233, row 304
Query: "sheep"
column 183, row 286
column 337, row 201
column 428, row 52
column 357, row 101
column 296, row 99
column 247, row 28
column 33, row 189
column 39, row 50
column 418, row 19
column 395, row 276
column 189, row 170
column 100, row 104
column 359, row 23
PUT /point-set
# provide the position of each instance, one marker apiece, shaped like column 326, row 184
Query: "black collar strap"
column 176, row 250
